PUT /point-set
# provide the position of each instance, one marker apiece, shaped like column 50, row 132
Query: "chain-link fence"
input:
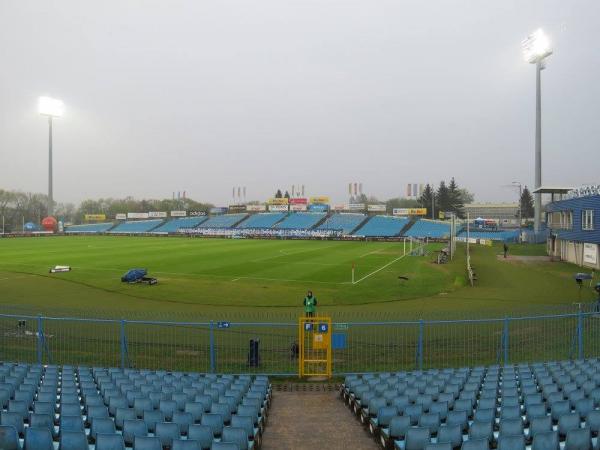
column 269, row 347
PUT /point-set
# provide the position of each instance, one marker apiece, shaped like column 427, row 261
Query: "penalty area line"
column 380, row 269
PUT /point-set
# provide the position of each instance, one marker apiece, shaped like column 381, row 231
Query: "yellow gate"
column 314, row 335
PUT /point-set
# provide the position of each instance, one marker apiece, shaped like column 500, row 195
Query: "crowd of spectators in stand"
column 261, row 232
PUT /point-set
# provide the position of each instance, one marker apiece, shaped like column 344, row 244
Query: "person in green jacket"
column 310, row 304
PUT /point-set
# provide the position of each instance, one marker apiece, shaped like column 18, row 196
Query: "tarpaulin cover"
column 134, row 275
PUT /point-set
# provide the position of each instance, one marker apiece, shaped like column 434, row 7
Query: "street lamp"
column 535, row 49
column 50, row 107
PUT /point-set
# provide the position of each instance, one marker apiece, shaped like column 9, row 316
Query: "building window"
column 587, row 219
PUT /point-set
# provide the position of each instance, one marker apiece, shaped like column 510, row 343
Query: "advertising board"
column 94, row 217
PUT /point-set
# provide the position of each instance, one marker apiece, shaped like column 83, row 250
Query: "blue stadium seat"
column 173, row 225
column 167, row 432
column 546, row 440
column 237, row 435
column 136, row 226
column 345, row 222
column 222, row 221
column 300, row 221
column 202, row 434
column 13, row 419
column 382, row 226
column 185, row 445
column 152, row 417
column 424, row 228
column 481, row 444
column 109, row 442
column 133, row 428
column 38, row 439
column 262, row 220
column 147, row 443
column 9, row 438
column 73, row 440
column 89, row 228
column 102, row 425
column 216, row 445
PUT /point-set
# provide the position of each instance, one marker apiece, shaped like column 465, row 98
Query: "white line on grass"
column 380, row 269
column 284, row 253
column 370, row 253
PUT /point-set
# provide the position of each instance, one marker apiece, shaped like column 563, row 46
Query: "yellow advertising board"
column 418, row 211
column 321, row 200
column 94, row 217
column 278, row 201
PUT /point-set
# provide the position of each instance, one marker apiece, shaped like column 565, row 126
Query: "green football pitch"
column 268, row 278
column 255, row 282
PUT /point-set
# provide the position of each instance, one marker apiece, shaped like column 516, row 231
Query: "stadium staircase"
column 408, row 226
column 320, row 222
column 360, row 225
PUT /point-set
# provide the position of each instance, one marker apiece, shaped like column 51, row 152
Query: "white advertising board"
column 256, row 208
column 278, row 208
column 590, row 254
column 136, row 215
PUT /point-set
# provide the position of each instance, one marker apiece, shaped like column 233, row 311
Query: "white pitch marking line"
column 370, row 253
column 380, row 269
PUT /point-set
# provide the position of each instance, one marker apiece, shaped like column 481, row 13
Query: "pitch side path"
column 311, row 420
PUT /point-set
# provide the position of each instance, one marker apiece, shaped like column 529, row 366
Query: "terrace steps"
column 360, row 225
column 313, row 419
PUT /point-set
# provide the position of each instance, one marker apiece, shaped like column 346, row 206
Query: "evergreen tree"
column 455, row 196
column 527, row 209
column 443, row 198
column 425, row 199
column 278, row 194
column 287, row 195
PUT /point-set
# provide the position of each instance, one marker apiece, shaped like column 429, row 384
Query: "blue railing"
column 218, row 346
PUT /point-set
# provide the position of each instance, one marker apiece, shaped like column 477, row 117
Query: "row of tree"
column 17, row 208
column 448, row 198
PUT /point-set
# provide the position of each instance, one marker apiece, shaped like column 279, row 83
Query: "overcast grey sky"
column 166, row 96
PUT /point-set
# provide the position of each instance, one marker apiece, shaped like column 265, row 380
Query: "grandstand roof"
column 552, row 190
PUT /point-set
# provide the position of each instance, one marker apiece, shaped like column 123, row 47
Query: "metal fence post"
column 40, row 337
column 212, row 347
column 420, row 344
column 580, row 334
column 123, row 348
column 506, row 341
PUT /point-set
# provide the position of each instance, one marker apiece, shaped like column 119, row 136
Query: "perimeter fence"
column 268, row 347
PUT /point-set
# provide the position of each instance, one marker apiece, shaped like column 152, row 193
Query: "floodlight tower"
column 50, row 107
column 535, row 50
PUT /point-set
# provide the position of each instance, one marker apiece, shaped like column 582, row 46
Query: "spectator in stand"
column 310, row 304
